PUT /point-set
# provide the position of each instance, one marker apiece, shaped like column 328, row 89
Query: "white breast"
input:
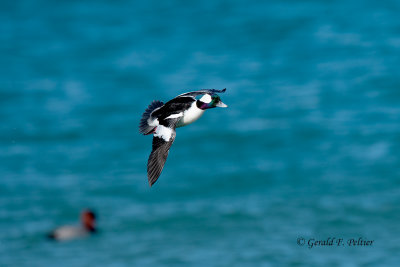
column 163, row 132
column 69, row 232
column 190, row 115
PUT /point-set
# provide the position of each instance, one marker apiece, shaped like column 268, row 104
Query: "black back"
column 173, row 106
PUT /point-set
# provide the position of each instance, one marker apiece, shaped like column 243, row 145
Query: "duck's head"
column 88, row 219
column 210, row 101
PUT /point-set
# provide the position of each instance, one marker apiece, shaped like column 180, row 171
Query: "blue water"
column 308, row 148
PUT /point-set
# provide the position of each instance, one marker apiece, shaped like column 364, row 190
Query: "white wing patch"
column 175, row 116
column 206, row 98
column 163, row 132
column 152, row 122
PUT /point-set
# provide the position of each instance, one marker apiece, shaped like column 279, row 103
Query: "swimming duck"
column 162, row 119
column 68, row 232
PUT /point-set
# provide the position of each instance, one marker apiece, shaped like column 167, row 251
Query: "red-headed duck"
column 68, row 232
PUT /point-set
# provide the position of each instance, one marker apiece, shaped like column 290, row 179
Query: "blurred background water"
column 309, row 146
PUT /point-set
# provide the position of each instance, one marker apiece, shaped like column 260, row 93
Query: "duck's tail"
column 51, row 236
column 146, row 125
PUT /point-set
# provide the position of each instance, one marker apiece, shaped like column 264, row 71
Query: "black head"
column 210, row 101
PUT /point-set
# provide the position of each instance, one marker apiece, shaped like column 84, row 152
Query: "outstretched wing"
column 163, row 139
column 202, row 92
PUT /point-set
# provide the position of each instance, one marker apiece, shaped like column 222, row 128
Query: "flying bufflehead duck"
column 69, row 232
column 161, row 120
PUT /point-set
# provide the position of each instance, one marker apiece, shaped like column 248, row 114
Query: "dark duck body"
column 162, row 119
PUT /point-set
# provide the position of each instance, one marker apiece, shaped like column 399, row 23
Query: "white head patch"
column 163, row 132
column 206, row 98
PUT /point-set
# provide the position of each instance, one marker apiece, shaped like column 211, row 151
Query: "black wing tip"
column 153, row 178
column 154, row 167
column 151, row 183
column 216, row 90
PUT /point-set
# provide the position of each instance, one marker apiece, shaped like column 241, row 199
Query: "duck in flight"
column 162, row 119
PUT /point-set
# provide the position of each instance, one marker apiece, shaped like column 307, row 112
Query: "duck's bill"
column 221, row 105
